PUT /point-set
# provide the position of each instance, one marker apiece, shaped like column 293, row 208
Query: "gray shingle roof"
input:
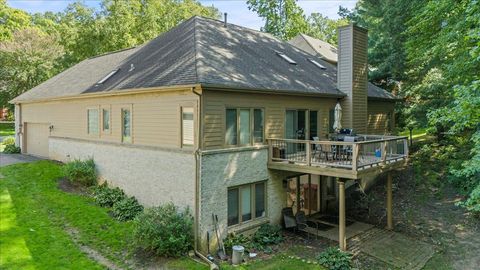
column 328, row 52
column 198, row 51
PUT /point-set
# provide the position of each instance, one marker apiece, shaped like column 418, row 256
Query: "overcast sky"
column 237, row 10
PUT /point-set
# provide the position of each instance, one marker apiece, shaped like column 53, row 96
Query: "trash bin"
column 237, row 254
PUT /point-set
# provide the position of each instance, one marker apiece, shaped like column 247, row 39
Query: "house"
column 381, row 104
column 216, row 117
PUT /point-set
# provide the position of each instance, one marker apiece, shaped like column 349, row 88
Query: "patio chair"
column 289, row 220
column 328, row 151
column 303, row 223
column 348, row 149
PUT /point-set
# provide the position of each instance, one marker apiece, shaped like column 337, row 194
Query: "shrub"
column 165, row 230
column 11, row 149
column 126, row 209
column 335, row 259
column 107, row 197
column 8, row 140
column 237, row 239
column 82, row 172
column 267, row 235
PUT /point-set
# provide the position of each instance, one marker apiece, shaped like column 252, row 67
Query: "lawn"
column 36, row 216
column 7, row 129
column 417, row 133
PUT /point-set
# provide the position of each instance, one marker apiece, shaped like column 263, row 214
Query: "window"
column 316, row 63
column 244, row 126
column 126, row 126
column 105, row 119
column 257, row 126
column 245, row 132
column 92, row 120
column 187, row 126
column 286, row 58
column 246, row 203
column 313, row 118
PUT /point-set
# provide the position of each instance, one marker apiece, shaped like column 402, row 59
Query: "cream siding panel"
column 378, row 115
column 155, row 117
column 215, row 103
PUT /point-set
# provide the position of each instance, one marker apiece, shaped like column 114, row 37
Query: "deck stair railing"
column 368, row 151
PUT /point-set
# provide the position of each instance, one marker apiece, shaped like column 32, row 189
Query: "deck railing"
column 370, row 151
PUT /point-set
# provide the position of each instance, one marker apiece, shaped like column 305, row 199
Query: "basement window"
column 108, row 76
column 286, row 58
column 316, row 63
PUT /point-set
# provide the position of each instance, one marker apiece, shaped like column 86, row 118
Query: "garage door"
column 37, row 139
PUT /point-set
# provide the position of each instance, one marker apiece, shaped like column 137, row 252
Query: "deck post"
column 389, row 202
column 308, row 153
column 341, row 213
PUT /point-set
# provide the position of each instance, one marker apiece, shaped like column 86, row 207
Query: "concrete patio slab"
column 393, row 248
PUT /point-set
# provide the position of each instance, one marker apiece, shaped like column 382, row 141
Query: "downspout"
column 197, row 183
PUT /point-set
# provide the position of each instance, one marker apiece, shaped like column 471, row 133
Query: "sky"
column 237, row 10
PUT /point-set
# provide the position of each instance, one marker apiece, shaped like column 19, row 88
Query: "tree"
column 10, row 20
column 323, row 28
column 28, row 59
column 283, row 18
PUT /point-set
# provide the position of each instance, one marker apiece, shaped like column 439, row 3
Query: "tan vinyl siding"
column 216, row 102
column 378, row 115
column 155, row 117
column 352, row 76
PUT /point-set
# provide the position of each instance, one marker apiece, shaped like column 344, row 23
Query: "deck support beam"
column 389, row 202
column 342, row 240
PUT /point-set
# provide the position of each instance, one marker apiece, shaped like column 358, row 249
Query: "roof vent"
column 108, row 76
column 286, row 58
column 225, row 19
column 316, row 63
column 132, row 67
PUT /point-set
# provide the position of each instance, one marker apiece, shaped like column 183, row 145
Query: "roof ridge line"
column 112, row 52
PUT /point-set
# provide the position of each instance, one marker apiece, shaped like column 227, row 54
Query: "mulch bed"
column 66, row 185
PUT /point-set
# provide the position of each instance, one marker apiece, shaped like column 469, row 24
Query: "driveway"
column 8, row 159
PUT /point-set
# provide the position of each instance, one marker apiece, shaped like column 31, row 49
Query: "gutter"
column 197, row 184
column 269, row 91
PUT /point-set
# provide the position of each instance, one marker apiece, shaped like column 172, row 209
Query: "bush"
column 126, row 209
column 8, row 140
column 267, row 235
column 11, row 149
column 335, row 259
column 82, row 172
column 107, row 197
column 237, row 239
column 165, row 230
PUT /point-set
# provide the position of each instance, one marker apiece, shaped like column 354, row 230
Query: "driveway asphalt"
column 8, row 159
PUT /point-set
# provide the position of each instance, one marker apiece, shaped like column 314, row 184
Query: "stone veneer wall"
column 152, row 175
column 232, row 167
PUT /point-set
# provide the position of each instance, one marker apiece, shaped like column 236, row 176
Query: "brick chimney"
column 352, row 76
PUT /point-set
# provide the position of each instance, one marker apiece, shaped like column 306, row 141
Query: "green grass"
column 416, row 133
column 7, row 129
column 35, row 216
column 31, row 236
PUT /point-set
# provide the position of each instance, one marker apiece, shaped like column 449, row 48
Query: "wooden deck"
column 352, row 160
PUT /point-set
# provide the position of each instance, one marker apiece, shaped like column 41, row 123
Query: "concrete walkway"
column 8, row 159
column 392, row 248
